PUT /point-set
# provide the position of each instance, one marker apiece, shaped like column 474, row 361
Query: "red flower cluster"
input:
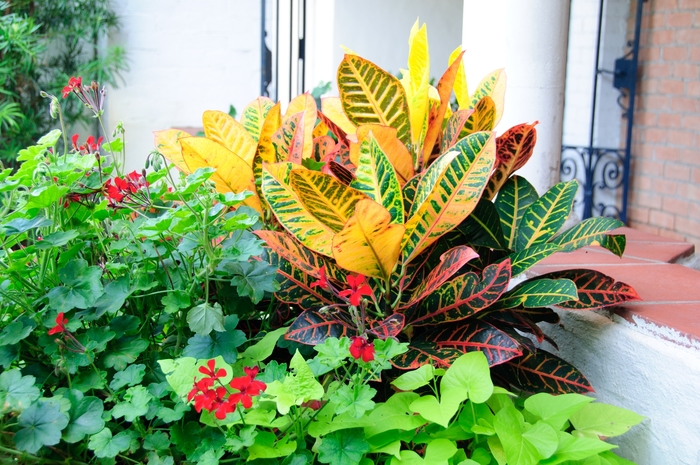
column 358, row 288
column 74, row 83
column 219, row 400
column 360, row 348
column 60, row 327
column 127, row 190
column 90, row 145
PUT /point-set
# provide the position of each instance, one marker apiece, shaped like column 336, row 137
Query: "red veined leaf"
column 513, row 149
column 295, row 286
column 421, row 352
column 463, row 296
column 473, row 335
column 300, row 257
column 341, row 173
column 454, row 126
column 544, row 372
column 313, row 327
column 289, row 139
column 390, row 326
column 595, row 289
column 513, row 319
column 336, row 130
column 444, row 89
column 450, row 263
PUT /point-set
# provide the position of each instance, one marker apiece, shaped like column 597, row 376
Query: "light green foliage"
column 297, row 388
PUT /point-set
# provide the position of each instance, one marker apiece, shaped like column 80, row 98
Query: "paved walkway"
column 670, row 293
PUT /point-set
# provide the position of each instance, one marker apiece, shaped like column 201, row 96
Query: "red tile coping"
column 670, row 292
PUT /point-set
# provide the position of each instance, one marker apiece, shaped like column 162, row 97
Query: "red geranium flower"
column 73, row 83
column 358, row 288
column 322, row 280
column 247, row 387
column 60, row 327
column 252, row 372
column 209, row 370
column 360, row 348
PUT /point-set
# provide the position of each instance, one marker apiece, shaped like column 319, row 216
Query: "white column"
column 529, row 39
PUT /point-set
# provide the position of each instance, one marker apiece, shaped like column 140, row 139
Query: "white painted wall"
column 528, row 38
column 378, row 31
column 185, row 57
column 650, row 370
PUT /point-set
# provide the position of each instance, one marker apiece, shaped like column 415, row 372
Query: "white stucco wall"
column 651, row 370
column 185, row 57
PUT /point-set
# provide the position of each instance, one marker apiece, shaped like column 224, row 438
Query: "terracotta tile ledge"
column 670, row 292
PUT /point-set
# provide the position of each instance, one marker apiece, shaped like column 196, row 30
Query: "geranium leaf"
column 369, row 244
column 253, row 279
column 266, row 446
column 135, row 404
column 41, row 425
column 345, row 447
column 81, row 286
column 104, row 445
column 298, row 387
column 17, row 392
column 132, row 375
column 217, row 343
column 205, row 318
column 370, row 95
column 85, row 419
column 353, row 400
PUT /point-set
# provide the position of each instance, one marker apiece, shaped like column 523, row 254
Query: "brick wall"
column 665, row 178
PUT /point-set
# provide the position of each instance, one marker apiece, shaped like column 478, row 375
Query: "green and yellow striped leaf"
column 375, row 177
column 483, row 226
column 369, row 244
column 289, row 140
column 305, row 104
column 167, row 144
column 544, row 217
column 323, row 196
column 232, row 174
column 512, row 202
column 444, row 200
column 254, row 114
column 370, row 95
column 266, row 151
column 290, row 212
column 494, row 86
column 408, row 192
column 222, row 128
column 482, row 118
column 587, row 232
column 538, row 292
column 513, row 149
column 615, row 243
column 523, row 260
column 393, row 148
column 595, row 289
column 444, row 88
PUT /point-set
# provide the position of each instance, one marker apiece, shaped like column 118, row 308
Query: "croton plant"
column 393, row 212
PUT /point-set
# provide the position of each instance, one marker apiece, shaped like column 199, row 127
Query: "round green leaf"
column 41, row 425
column 85, row 419
column 468, row 377
column 106, row 446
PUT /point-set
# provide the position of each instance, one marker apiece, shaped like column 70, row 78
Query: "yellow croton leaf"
column 333, row 109
column 461, row 87
column 220, row 127
column 304, row 103
column 419, row 82
column 167, row 144
column 369, row 244
column 494, row 86
column 393, row 148
column 254, row 114
column 232, row 174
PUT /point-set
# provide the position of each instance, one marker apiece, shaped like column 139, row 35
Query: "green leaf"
column 573, row 448
column 345, row 447
column 483, row 227
column 412, row 380
column 261, row 350
column 16, row 331
column 439, row 451
column 525, row 259
column 113, row 299
column 356, row 400
column 589, row 231
column 104, row 445
column 81, row 286
column 544, row 217
column 126, row 351
column 20, row 225
column 85, row 419
column 253, row 279
column 157, row 441
column 41, row 425
column 175, row 301
column 132, row 375
column 266, row 446
column 394, row 414
column 538, row 293
column 468, row 378
column 437, row 412
column 219, row 343
column 555, row 410
column 509, row 426
column 512, row 202
column 17, row 392
column 205, row 318
column 135, row 404
column 604, row 420
column 297, row 388
column 45, row 196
